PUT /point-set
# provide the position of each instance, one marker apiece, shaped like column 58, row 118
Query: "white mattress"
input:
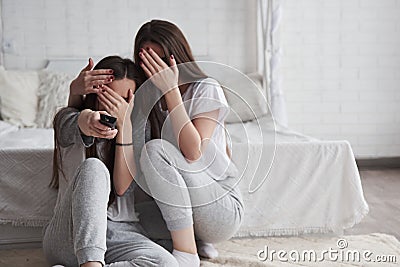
column 295, row 185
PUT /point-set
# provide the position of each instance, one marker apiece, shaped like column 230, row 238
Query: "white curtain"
column 269, row 55
column 1, row 33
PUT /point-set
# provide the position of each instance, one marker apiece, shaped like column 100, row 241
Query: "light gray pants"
column 185, row 197
column 80, row 232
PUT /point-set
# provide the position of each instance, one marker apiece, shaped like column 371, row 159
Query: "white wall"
column 341, row 71
column 221, row 30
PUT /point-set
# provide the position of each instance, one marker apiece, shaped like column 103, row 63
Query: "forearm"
column 66, row 126
column 75, row 101
column 124, row 161
column 186, row 134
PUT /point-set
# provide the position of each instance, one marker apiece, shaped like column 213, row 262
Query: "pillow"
column 243, row 92
column 6, row 128
column 245, row 98
column 18, row 96
column 52, row 95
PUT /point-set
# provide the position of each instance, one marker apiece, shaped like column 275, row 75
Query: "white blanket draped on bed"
column 26, row 157
column 312, row 186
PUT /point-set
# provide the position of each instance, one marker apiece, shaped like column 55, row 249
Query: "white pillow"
column 245, row 98
column 52, row 95
column 6, row 128
column 18, row 96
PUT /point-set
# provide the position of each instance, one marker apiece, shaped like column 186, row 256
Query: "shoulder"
column 206, row 82
column 207, row 87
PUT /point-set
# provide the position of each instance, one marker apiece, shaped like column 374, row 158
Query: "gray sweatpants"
column 80, row 232
column 185, row 196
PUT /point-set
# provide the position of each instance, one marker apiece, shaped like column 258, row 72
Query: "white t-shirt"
column 200, row 97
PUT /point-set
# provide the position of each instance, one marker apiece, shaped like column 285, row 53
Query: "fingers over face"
column 111, row 95
column 130, row 96
column 156, row 58
column 147, row 72
column 173, row 63
column 105, row 102
column 146, row 62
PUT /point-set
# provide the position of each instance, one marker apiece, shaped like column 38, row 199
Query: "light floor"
column 381, row 189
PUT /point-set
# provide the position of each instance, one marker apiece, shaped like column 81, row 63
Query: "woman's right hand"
column 89, row 124
column 89, row 81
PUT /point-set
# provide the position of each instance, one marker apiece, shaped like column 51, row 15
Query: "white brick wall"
column 221, row 30
column 341, row 71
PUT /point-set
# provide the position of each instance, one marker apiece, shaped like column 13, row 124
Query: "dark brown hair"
column 122, row 68
column 173, row 42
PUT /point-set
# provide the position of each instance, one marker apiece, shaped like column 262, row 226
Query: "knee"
column 221, row 228
column 93, row 163
column 93, row 173
column 152, row 151
column 167, row 259
column 152, row 148
column 159, row 257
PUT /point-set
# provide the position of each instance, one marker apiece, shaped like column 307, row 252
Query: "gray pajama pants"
column 80, row 232
column 185, row 197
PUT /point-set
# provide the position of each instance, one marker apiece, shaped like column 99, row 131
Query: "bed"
column 292, row 184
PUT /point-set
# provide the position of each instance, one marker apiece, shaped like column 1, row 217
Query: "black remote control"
column 108, row 120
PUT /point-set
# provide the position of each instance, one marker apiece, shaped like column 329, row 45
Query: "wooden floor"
column 382, row 192
column 381, row 189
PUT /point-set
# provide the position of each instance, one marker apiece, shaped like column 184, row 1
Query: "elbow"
column 193, row 153
column 120, row 191
column 193, row 156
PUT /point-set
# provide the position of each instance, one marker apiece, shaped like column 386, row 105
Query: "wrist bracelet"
column 121, row 144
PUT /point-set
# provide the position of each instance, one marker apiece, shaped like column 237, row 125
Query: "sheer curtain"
column 269, row 56
column 1, row 34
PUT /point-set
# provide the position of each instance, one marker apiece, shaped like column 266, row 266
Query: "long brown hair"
column 173, row 42
column 122, row 68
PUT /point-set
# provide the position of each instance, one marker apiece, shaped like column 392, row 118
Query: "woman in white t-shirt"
column 186, row 167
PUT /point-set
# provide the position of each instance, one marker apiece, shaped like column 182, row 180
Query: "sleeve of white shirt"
column 208, row 96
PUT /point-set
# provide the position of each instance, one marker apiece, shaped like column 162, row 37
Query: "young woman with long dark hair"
column 186, row 166
column 94, row 221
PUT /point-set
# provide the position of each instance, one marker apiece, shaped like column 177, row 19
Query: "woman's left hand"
column 116, row 105
column 161, row 75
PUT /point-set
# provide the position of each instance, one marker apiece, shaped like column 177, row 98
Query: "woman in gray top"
column 94, row 222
